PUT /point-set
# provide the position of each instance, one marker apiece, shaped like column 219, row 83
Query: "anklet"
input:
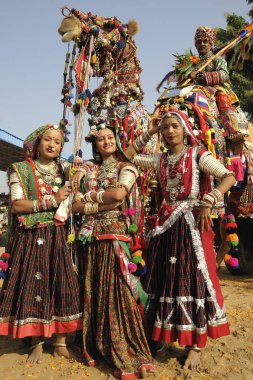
column 37, row 345
column 59, row 344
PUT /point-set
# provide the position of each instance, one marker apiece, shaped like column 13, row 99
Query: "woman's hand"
column 154, row 125
column 76, row 180
column 204, row 219
column 62, row 193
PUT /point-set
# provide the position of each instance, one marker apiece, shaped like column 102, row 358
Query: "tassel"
column 231, row 258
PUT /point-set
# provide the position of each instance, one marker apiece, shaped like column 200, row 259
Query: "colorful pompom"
column 132, row 267
column 4, row 264
column 71, row 238
column 234, row 262
column 136, row 259
column 132, row 229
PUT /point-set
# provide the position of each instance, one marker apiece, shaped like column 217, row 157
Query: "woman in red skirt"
column 40, row 295
column 185, row 301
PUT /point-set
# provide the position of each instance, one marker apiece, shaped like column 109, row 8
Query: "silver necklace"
column 48, row 171
column 173, row 158
column 173, row 184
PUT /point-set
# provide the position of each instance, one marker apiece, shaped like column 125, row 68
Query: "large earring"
column 185, row 140
column 97, row 157
column 38, row 154
column 58, row 158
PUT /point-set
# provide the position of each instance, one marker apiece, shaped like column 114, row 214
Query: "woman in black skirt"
column 40, row 295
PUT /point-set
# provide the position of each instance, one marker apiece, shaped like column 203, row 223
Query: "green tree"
column 242, row 80
column 251, row 11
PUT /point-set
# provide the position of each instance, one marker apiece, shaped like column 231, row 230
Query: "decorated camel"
column 105, row 48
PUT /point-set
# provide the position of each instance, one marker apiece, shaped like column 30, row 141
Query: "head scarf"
column 32, row 141
column 94, row 132
column 183, row 119
column 204, row 32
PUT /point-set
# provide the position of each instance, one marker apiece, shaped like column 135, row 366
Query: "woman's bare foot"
column 61, row 351
column 193, row 361
column 35, row 356
column 60, row 347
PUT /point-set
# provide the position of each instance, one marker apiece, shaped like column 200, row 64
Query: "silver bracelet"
column 90, row 208
column 217, row 195
column 141, row 141
column 209, row 198
column 87, row 197
column 35, row 206
column 99, row 196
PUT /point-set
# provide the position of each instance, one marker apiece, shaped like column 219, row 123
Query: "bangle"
column 35, row 206
column 87, row 197
column 90, row 208
column 99, row 197
column 214, row 197
column 49, row 202
column 217, row 195
column 54, row 202
column 209, row 198
column 205, row 204
column 141, row 141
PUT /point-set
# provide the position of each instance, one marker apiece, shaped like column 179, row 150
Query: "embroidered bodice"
column 180, row 175
column 183, row 180
column 31, row 180
column 110, row 174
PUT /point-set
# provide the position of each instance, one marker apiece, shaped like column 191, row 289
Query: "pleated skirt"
column 112, row 322
column 185, row 301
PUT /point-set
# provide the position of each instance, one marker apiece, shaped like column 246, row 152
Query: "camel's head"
column 70, row 28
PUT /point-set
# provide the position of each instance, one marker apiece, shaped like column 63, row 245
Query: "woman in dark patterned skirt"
column 185, row 301
column 112, row 322
column 40, row 295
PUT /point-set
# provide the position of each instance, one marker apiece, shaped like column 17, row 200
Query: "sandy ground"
column 227, row 358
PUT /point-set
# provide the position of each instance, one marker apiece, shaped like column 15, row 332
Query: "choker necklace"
column 109, row 161
column 49, row 171
column 173, row 158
